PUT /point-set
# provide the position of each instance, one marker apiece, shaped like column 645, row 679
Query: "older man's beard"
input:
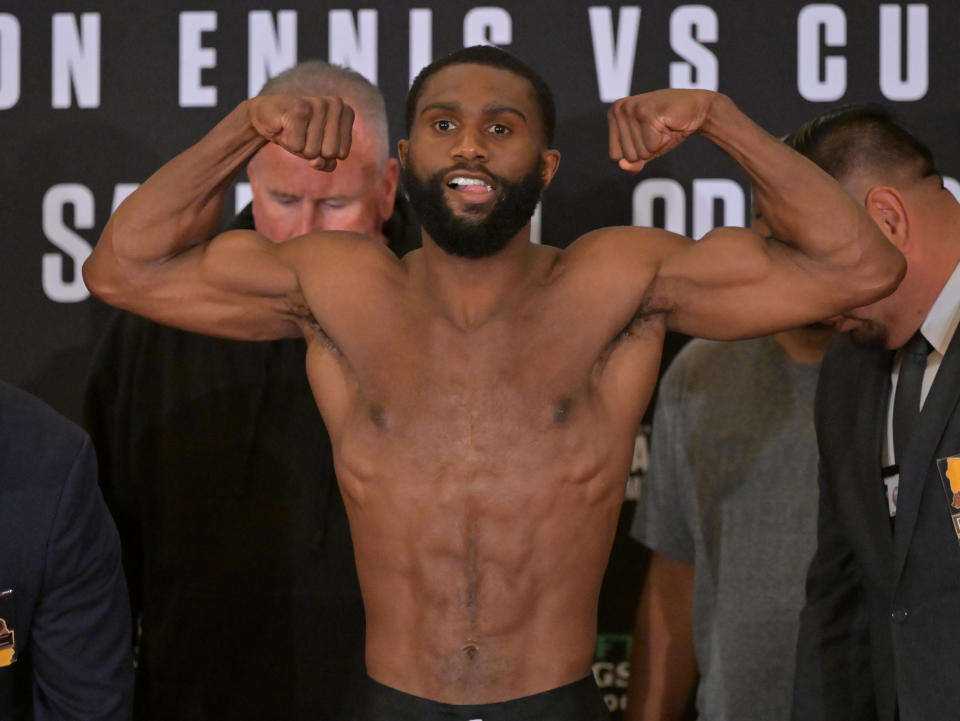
column 486, row 235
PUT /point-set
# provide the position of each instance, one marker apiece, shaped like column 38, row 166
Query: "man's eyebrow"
column 449, row 107
column 504, row 109
column 339, row 197
column 452, row 107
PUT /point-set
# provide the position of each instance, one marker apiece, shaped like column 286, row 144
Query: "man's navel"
column 378, row 416
column 470, row 650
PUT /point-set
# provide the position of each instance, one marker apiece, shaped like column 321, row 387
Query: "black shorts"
column 577, row 701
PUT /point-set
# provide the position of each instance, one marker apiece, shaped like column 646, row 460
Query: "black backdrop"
column 96, row 95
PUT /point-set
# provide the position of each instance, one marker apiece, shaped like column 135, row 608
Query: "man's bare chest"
column 481, row 402
column 534, row 377
column 481, row 389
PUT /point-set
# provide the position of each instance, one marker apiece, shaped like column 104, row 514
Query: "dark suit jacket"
column 881, row 627
column 61, row 585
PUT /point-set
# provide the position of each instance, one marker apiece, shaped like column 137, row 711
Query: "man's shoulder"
column 35, row 440
column 336, row 265
column 327, row 244
column 22, row 413
column 616, row 267
column 626, row 242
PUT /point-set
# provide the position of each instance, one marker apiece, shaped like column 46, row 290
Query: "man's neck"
column 469, row 291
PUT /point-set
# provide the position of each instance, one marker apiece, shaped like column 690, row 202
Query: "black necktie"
column 906, row 400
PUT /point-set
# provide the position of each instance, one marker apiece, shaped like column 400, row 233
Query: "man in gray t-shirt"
column 728, row 508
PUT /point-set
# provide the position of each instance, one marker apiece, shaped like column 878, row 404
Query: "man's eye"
column 498, row 129
column 286, row 199
column 443, row 125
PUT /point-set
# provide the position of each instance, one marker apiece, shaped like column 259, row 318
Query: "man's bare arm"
column 155, row 256
column 828, row 256
column 663, row 664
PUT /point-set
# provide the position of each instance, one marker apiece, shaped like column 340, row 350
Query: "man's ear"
column 403, row 146
column 388, row 187
column 551, row 162
column 887, row 207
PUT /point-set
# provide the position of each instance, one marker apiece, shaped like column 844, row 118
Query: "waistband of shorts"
column 577, row 701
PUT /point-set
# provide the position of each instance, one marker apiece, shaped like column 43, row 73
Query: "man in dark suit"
column 64, row 614
column 219, row 471
column 879, row 636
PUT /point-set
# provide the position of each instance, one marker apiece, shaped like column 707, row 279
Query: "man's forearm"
column 802, row 204
column 663, row 665
column 154, row 257
column 179, row 206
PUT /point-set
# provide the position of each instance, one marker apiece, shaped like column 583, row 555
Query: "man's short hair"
column 316, row 77
column 496, row 58
column 861, row 138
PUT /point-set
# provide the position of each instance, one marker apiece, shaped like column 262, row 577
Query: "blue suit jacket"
column 62, row 592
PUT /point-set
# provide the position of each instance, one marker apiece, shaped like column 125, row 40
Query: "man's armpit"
column 312, row 330
column 636, row 328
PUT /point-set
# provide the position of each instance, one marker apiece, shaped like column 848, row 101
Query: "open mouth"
column 470, row 187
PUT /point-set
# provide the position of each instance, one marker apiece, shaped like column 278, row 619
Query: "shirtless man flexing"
column 482, row 394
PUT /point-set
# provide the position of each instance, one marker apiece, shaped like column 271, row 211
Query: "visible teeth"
column 470, row 181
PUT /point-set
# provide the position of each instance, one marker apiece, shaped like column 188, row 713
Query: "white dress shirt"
column 938, row 328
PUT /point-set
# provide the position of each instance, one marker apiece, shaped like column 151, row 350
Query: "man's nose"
column 309, row 219
column 469, row 145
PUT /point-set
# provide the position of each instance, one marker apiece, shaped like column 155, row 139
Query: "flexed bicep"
column 238, row 285
column 735, row 283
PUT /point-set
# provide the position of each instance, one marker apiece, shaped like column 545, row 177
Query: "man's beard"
column 486, row 235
